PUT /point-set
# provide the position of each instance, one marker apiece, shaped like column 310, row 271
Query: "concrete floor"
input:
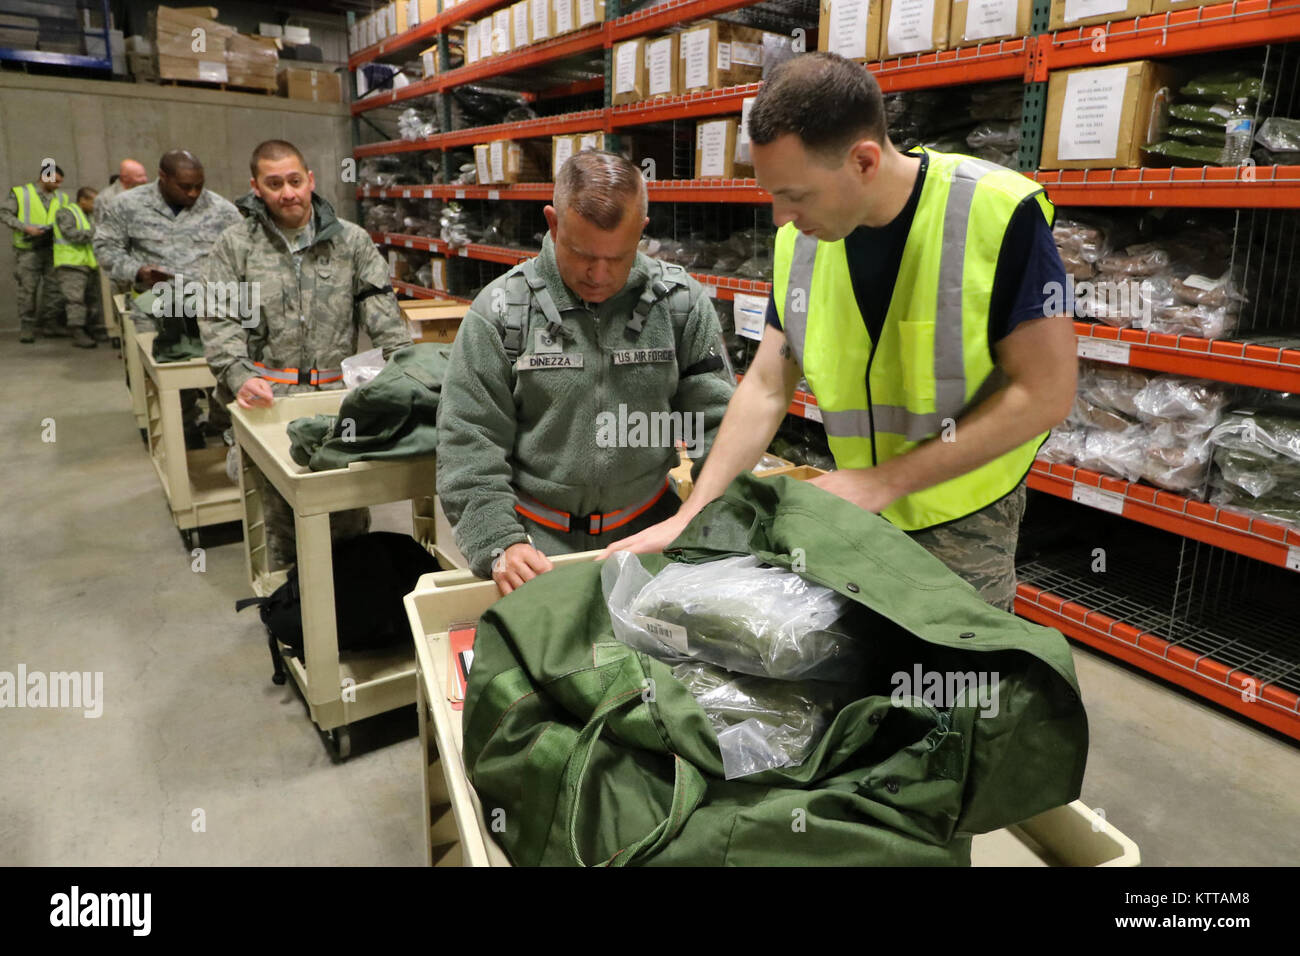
column 95, row 578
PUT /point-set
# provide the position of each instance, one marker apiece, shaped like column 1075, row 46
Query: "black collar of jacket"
column 327, row 222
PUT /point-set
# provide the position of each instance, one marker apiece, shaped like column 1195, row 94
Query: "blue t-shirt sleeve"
column 771, row 318
column 1029, row 269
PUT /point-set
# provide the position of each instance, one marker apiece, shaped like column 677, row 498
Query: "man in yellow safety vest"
column 74, row 263
column 29, row 211
column 911, row 291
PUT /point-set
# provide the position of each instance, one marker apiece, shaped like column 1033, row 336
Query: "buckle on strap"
column 300, row 376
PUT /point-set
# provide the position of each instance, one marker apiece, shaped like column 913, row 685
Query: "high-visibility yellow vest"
column 68, row 253
column 33, row 213
column 933, row 359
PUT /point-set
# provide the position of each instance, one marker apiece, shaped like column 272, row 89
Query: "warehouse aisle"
column 96, row 578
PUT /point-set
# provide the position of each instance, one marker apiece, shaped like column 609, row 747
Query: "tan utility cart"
column 108, row 305
column 131, row 364
column 456, row 833
column 198, row 490
column 338, row 691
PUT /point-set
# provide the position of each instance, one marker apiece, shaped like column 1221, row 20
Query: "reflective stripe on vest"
column 935, row 361
column 69, row 253
column 32, row 212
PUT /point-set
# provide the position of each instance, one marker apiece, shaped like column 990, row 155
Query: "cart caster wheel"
column 340, row 742
column 187, row 538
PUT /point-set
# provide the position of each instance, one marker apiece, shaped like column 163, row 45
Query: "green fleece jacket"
column 568, row 436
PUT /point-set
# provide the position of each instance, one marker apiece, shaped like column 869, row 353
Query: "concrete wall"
column 89, row 126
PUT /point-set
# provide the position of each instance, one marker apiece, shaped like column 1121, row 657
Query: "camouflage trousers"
column 981, row 548
column 79, row 286
column 282, row 538
column 34, row 276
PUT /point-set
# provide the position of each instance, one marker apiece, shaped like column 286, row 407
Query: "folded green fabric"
column 1176, row 151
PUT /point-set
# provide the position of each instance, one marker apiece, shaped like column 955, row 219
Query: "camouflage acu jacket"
column 138, row 228
column 310, row 304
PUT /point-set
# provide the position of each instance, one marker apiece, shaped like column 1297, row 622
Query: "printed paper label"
column 591, row 141
column 1079, row 9
column 749, row 312
column 848, row 28
column 520, row 11
column 986, row 19
column 1098, row 498
column 812, row 412
column 586, row 12
column 1103, row 351
column 724, row 55
column 541, row 20
column 1203, row 283
column 625, row 68
column 471, row 44
column 1094, row 102
column 674, row 635
column 644, row 356
column 563, row 16
column 563, row 150
column 485, row 38
column 1293, row 558
column 746, row 54
column 497, row 157
column 532, row 363
column 911, row 27
column 711, row 141
column 695, row 58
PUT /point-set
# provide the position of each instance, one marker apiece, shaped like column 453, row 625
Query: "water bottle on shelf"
column 1240, row 134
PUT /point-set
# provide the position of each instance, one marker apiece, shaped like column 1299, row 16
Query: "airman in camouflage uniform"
column 319, row 281
column 33, row 255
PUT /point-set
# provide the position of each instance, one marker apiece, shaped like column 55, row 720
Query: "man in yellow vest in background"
column 74, row 264
column 910, row 290
column 29, row 211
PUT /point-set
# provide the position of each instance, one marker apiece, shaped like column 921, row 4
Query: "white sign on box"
column 742, row 133
column 1094, row 101
column 541, row 19
column 750, row 312
column 586, row 12
column 711, row 141
column 563, row 17
column 1078, row 9
column 520, row 11
column 625, row 68
column 911, row 27
column 695, row 58
column 497, row 160
column 563, row 150
column 986, row 19
column 659, row 66
column 848, row 28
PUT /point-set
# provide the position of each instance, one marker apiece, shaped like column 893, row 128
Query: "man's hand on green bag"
column 865, row 487
column 516, row 564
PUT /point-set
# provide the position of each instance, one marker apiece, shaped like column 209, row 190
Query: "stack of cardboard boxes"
column 704, row 56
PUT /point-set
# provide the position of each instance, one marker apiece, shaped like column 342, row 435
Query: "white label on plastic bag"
column 1103, row 351
column 695, row 57
column 586, row 12
column 911, row 26
column 848, row 28
column 711, row 141
column 1078, row 9
column 986, row 19
column 812, row 412
column 1203, row 283
column 659, row 64
column 1293, row 558
column 724, row 55
column 625, row 68
column 541, row 21
column 1098, row 498
column 674, row 635
column 1094, row 100
column 750, row 311
column 496, row 159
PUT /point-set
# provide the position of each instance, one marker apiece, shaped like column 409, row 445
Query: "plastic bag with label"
column 362, row 367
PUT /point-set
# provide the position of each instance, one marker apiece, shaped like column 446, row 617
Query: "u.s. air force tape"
column 641, row 356
column 529, row 363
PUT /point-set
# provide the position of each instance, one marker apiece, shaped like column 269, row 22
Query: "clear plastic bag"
column 1062, row 447
column 362, row 367
column 412, row 124
column 761, row 723
column 1176, row 397
column 1259, row 432
column 1198, row 320
column 1113, row 388
column 1279, row 134
column 1177, row 458
column 1143, row 259
column 1122, row 454
column 767, row 622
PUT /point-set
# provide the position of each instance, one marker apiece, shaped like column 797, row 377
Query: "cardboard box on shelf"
column 172, row 35
column 208, row 13
column 589, row 141
column 1081, row 13
column 715, row 150
column 984, row 21
column 629, row 71
column 714, row 54
column 429, row 61
column 318, row 86
column 196, row 71
column 913, row 26
column 252, row 61
column 520, row 25
column 434, row 320
column 501, row 26
column 1102, row 117
column 590, row 12
column 662, row 73
column 526, row 161
column 850, row 28
column 541, row 20
column 428, row 10
column 564, row 16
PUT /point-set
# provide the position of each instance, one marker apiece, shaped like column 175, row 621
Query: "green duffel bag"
column 585, row 752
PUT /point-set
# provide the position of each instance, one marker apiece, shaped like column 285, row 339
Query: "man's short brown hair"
column 274, row 149
column 829, row 102
column 600, row 187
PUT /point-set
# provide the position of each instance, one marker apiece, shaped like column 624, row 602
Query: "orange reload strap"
column 293, row 376
column 596, row 523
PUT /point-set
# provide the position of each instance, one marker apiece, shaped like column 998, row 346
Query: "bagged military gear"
column 595, row 753
column 372, row 574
